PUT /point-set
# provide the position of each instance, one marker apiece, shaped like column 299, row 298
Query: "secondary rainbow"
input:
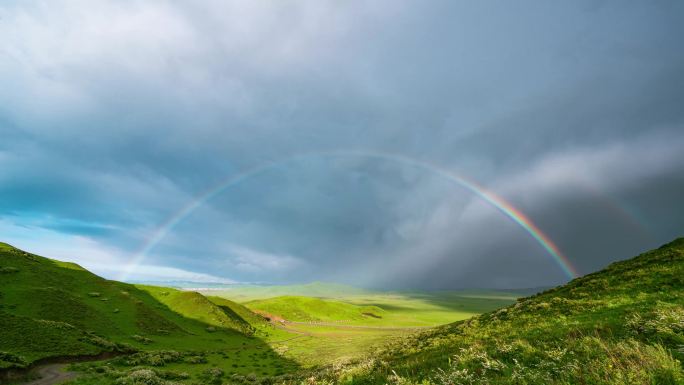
column 494, row 200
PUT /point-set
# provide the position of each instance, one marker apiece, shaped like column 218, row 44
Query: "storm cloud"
column 115, row 115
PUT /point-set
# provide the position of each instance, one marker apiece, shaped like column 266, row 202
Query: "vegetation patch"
column 617, row 326
column 8, row 270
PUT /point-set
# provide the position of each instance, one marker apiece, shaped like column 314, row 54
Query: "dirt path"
column 51, row 374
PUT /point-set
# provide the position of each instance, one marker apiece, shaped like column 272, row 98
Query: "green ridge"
column 307, row 309
column 196, row 306
column 53, row 309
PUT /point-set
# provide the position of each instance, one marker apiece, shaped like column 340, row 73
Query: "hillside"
column 244, row 293
column 196, row 306
column 307, row 309
column 53, row 309
column 622, row 325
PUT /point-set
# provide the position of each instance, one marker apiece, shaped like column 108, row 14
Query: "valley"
column 626, row 321
column 183, row 335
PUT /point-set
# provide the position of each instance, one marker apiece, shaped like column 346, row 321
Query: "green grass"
column 622, row 325
column 307, row 309
column 245, row 293
column 322, row 345
column 52, row 309
column 343, row 328
column 406, row 309
column 392, row 309
column 195, row 306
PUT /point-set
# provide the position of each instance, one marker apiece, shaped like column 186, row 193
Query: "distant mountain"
column 621, row 325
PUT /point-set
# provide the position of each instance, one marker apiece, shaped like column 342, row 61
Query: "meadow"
column 54, row 311
column 339, row 323
column 621, row 325
column 331, row 323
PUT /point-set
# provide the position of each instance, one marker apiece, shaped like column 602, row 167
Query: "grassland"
column 339, row 324
column 331, row 303
column 622, row 325
column 53, row 310
column 307, row 309
column 50, row 309
column 246, row 293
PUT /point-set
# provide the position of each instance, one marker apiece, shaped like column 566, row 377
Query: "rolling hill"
column 307, row 309
column 221, row 313
column 621, row 325
column 54, row 309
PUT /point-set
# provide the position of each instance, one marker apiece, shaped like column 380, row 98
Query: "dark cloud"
column 114, row 115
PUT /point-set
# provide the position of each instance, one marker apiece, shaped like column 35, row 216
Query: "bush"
column 195, row 359
column 152, row 358
column 143, row 377
column 9, row 360
column 212, row 376
column 141, row 339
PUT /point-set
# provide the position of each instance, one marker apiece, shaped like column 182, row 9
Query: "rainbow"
column 497, row 202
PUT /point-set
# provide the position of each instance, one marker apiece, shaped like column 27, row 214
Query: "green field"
column 342, row 325
column 339, row 324
column 321, row 302
column 51, row 309
column 622, row 325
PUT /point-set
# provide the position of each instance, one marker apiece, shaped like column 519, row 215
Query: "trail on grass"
column 52, row 374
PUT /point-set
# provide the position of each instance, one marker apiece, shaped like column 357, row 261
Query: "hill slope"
column 196, row 306
column 622, row 325
column 307, row 309
column 50, row 308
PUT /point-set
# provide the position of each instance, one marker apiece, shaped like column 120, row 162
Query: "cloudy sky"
column 332, row 126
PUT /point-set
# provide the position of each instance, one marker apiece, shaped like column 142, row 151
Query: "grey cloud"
column 114, row 115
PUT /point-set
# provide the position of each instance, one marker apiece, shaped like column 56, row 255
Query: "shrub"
column 151, row 358
column 195, row 359
column 9, row 360
column 142, row 339
column 143, row 377
column 212, row 376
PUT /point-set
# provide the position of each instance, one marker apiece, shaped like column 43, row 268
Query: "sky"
column 290, row 141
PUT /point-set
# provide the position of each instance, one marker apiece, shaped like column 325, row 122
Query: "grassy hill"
column 307, row 309
column 622, row 325
column 54, row 309
column 196, row 306
column 244, row 293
